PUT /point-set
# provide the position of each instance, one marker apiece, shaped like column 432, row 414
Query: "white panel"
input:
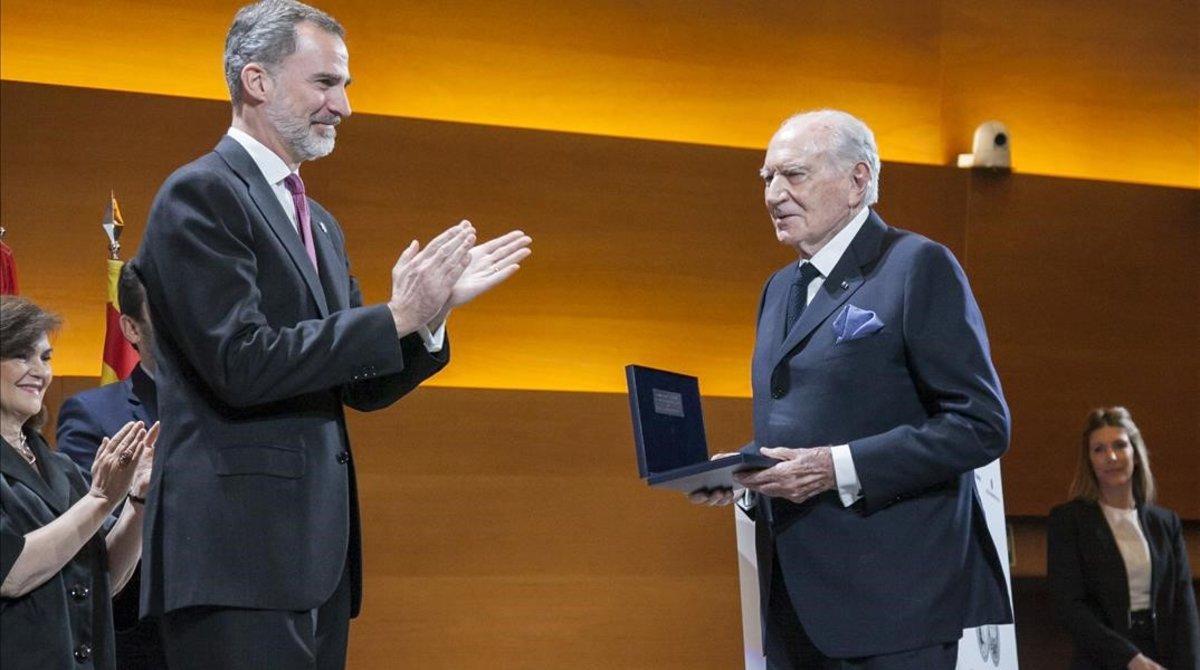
column 991, row 647
column 748, row 575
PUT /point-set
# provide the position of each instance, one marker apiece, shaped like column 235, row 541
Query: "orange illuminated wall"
column 655, row 253
column 1098, row 90
column 505, row 525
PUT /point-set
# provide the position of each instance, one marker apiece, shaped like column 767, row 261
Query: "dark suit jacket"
column 252, row 502
column 919, row 403
column 68, row 614
column 88, row 417
column 84, row 420
column 1091, row 589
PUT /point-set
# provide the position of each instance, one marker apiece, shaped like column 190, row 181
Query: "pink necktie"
column 295, row 185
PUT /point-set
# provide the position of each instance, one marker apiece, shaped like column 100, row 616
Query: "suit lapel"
column 268, row 205
column 842, row 282
column 332, row 278
column 54, row 489
column 1108, row 541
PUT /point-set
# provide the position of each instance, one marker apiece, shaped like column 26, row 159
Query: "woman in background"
column 60, row 551
column 1117, row 565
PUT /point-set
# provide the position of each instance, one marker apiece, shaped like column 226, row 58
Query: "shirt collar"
column 272, row 167
column 827, row 258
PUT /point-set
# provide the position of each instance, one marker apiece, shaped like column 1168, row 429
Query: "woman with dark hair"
column 1117, row 564
column 60, row 550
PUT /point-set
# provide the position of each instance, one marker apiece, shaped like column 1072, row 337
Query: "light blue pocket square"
column 854, row 323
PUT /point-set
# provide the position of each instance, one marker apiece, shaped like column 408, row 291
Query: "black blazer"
column 84, row 420
column 252, row 502
column 65, row 623
column 1091, row 590
column 917, row 399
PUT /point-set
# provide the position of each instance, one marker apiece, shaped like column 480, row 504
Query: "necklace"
column 24, row 450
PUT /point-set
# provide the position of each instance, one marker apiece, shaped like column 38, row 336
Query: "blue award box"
column 668, row 430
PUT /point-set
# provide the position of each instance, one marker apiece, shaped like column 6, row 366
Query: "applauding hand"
column 118, row 460
column 422, row 279
column 145, row 464
column 490, row 264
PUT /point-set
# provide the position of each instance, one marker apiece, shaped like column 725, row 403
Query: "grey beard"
column 297, row 133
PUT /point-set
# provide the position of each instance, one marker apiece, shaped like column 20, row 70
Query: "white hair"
column 852, row 142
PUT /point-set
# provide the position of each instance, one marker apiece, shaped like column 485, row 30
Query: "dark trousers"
column 139, row 645
column 1141, row 633
column 203, row 638
column 788, row 647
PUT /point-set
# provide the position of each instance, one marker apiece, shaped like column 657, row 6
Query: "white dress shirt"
column 1131, row 542
column 275, row 171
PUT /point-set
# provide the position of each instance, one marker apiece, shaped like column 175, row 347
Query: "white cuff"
column 848, row 488
column 434, row 340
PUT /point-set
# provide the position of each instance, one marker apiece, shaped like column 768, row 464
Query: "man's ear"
column 860, row 178
column 256, row 82
column 130, row 329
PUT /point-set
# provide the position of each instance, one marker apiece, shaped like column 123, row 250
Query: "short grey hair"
column 265, row 33
column 852, row 142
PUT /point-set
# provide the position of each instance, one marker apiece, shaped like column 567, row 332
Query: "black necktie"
column 798, row 296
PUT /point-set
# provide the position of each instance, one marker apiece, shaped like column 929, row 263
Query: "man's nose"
column 339, row 102
column 775, row 191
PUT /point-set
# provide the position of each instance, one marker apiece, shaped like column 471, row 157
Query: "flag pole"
column 119, row 357
column 113, row 226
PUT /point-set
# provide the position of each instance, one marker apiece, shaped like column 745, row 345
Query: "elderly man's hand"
column 802, row 474
column 714, row 497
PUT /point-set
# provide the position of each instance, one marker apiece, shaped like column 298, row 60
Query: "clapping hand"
column 422, row 279
column 118, row 459
column 490, row 264
column 145, row 464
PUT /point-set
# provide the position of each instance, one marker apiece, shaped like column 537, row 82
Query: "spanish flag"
column 119, row 356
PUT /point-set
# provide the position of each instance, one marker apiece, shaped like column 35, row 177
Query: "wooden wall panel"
column 1092, row 297
column 509, row 529
column 654, row 252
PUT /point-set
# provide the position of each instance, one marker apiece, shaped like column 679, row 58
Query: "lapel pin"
column 845, row 285
column 322, row 225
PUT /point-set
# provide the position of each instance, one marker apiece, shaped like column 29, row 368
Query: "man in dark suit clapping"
column 253, row 551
